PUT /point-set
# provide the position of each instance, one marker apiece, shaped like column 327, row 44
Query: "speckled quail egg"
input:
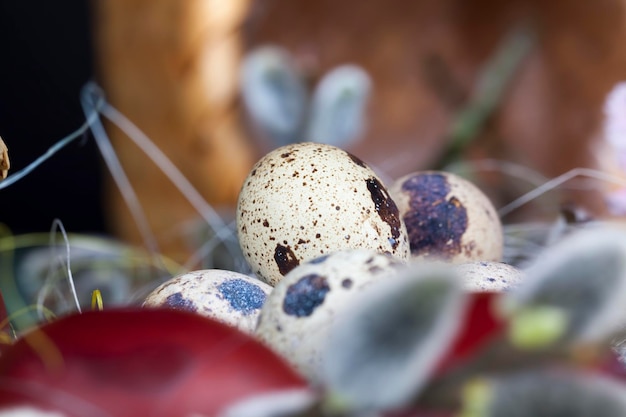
column 307, row 199
column 483, row 276
column 230, row 297
column 448, row 218
column 296, row 317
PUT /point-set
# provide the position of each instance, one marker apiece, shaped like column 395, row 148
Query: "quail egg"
column 448, row 218
column 482, row 276
column 229, row 297
column 304, row 200
column 297, row 316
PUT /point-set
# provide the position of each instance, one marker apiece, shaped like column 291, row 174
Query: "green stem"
column 491, row 87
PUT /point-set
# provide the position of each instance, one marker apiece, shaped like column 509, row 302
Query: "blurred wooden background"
column 162, row 61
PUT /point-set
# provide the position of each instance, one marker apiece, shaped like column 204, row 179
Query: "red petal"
column 139, row 362
column 480, row 326
column 612, row 365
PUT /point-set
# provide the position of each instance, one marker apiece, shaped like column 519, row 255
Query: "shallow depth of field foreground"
column 297, row 208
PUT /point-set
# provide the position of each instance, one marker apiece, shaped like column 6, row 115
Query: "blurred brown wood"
column 425, row 57
column 171, row 67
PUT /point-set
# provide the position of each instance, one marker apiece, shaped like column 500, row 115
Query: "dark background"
column 45, row 59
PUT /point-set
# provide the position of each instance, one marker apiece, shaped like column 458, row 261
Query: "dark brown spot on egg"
column 386, row 209
column 346, row 283
column 470, row 248
column 266, row 223
column 435, row 223
column 356, row 160
column 285, row 259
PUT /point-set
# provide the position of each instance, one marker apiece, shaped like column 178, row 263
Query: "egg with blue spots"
column 295, row 319
column 226, row 296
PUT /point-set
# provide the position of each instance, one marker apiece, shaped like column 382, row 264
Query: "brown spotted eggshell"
column 297, row 315
column 229, row 297
column 307, row 199
column 483, row 276
column 448, row 218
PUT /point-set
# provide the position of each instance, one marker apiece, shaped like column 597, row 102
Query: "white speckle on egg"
column 229, row 297
column 296, row 318
column 448, row 218
column 307, row 199
column 489, row 276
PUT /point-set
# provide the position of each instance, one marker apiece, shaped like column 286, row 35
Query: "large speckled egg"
column 448, row 218
column 307, row 199
column 483, row 276
column 296, row 317
column 230, row 297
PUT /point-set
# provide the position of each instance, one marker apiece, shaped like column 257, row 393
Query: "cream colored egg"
column 448, row 218
column 229, row 297
column 307, row 199
column 483, row 276
column 295, row 320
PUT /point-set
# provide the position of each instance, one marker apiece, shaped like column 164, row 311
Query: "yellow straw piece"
column 45, row 348
column 96, row 300
column 6, row 338
column 25, row 310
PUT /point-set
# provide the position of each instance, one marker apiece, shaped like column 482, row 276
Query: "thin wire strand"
column 206, row 249
column 57, row 224
column 556, row 182
column 92, row 99
column 221, row 229
column 12, row 179
column 508, row 168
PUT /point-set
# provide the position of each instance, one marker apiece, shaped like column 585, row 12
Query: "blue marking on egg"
column 242, row 296
column 319, row 259
column 178, row 302
column 303, row 297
